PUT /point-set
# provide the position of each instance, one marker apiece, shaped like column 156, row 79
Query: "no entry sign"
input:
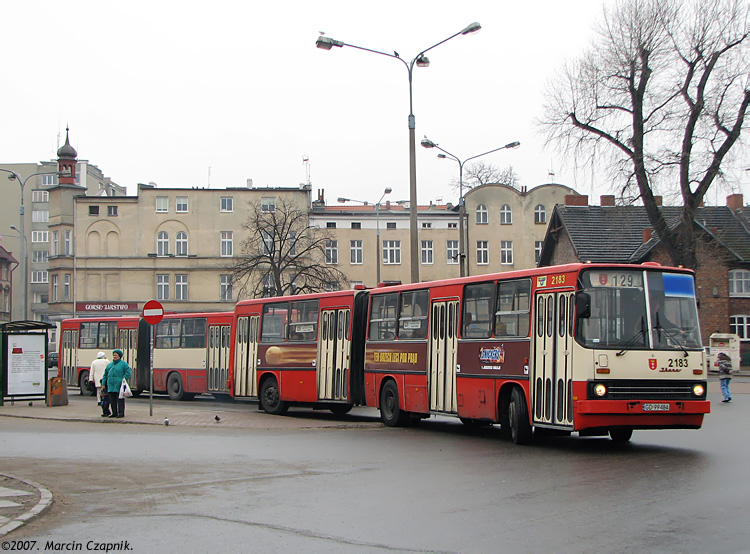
column 153, row 312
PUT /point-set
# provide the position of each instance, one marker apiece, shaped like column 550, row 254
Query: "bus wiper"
column 632, row 341
column 669, row 334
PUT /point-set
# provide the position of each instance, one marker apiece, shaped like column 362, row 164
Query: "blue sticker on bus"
column 677, row 284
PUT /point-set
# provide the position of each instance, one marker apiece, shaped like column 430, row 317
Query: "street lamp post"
column 427, row 143
column 326, row 43
column 13, row 176
column 379, row 254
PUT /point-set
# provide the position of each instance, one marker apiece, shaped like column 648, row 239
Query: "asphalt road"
column 439, row 487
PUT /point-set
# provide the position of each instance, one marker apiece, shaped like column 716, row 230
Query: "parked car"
column 52, row 359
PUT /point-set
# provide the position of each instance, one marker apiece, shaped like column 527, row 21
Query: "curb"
column 45, row 501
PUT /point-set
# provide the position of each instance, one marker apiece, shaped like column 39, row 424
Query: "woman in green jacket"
column 112, row 380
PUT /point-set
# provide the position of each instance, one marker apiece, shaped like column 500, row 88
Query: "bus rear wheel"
column 518, row 418
column 620, row 434
column 86, row 386
column 270, row 398
column 175, row 388
column 390, row 412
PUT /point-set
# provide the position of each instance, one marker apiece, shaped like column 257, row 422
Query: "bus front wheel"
column 518, row 418
column 270, row 398
column 175, row 388
column 390, row 412
column 620, row 434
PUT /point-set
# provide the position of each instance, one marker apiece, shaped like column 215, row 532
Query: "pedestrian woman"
column 725, row 375
column 113, row 377
column 96, row 374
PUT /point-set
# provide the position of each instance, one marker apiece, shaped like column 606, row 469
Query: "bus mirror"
column 583, row 304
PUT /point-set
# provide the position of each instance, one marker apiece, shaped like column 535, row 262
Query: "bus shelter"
column 23, row 360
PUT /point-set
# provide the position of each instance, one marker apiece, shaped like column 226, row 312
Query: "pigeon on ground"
column 166, row 421
column 217, row 418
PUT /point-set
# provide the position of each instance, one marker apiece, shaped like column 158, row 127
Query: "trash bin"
column 57, row 393
column 728, row 344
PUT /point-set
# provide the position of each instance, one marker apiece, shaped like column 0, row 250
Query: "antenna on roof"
column 209, row 176
column 306, row 162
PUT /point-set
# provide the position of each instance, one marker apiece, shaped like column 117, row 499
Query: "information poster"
column 26, row 365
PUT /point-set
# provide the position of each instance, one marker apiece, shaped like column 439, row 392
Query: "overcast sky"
column 191, row 93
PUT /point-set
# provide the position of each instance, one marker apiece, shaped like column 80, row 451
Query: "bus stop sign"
column 153, row 312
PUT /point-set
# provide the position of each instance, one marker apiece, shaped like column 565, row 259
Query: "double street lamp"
column 326, row 43
column 427, row 143
column 13, row 176
column 379, row 254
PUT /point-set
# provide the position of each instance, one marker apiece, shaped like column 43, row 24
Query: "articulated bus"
column 588, row 348
column 191, row 351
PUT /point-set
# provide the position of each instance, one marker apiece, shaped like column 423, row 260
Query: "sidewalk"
column 20, row 500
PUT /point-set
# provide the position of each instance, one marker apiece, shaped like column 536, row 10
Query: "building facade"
column 7, row 264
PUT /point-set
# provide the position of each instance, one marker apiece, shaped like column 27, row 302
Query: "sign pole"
column 153, row 312
column 151, row 373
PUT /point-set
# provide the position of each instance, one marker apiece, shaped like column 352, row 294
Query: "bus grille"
column 647, row 390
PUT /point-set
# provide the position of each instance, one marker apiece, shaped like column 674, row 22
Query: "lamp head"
column 12, row 176
column 341, row 199
column 471, row 29
column 423, row 61
column 427, row 143
column 326, row 43
column 442, row 156
column 387, row 190
column 514, row 144
column 14, row 228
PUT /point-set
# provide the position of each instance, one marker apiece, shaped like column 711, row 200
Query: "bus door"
column 218, row 358
column 246, row 356
column 552, row 364
column 441, row 375
column 333, row 355
column 128, row 343
column 68, row 364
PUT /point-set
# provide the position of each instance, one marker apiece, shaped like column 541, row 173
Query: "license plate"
column 655, row 407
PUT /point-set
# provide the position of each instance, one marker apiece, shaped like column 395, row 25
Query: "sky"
column 211, row 94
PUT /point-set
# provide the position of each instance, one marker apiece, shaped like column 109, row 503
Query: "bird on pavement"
column 217, row 418
column 166, row 421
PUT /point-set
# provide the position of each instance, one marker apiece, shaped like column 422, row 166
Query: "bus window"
column 383, row 316
column 168, row 334
column 275, row 317
column 89, row 330
column 513, row 308
column 477, row 310
column 412, row 319
column 194, row 333
column 303, row 324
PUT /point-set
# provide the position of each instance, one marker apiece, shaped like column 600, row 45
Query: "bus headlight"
column 698, row 390
column 600, row 390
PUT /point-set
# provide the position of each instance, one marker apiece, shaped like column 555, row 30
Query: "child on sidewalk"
column 725, row 375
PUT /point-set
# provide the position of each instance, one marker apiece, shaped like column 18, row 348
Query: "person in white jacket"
column 95, row 376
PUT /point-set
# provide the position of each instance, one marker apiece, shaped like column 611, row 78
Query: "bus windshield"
column 639, row 309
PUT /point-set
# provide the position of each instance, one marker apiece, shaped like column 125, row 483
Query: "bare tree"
column 283, row 254
column 481, row 173
column 660, row 98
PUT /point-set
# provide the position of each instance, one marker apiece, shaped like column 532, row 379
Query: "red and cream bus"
column 597, row 349
column 191, row 351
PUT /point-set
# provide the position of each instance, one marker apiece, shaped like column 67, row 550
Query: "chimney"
column 734, row 202
column 607, row 200
column 576, row 200
column 387, row 204
column 249, row 183
column 320, row 195
column 658, row 200
column 647, row 234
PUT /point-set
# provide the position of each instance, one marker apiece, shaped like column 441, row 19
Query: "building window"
column 49, row 180
column 162, row 287
column 506, row 215
column 268, row 204
column 391, row 252
column 66, row 287
column 225, row 292
column 181, row 204
column 181, row 287
column 39, row 277
column 40, row 196
column 162, row 244
column 227, row 204
column 740, row 326
column 482, row 217
column 390, row 225
column 739, row 282
column 68, row 243
column 181, row 244
column 540, row 214
column 506, row 252
column 427, row 254
column 112, row 211
column 227, row 247
column 483, row 252
column 40, row 216
column 426, row 225
column 538, row 250
column 332, row 251
column 452, row 251
column 162, row 204
column 330, row 224
column 452, row 225
column 356, row 225
column 355, row 252
column 54, row 288
column 40, row 257
column 39, row 236
column 54, row 247
column 93, row 210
